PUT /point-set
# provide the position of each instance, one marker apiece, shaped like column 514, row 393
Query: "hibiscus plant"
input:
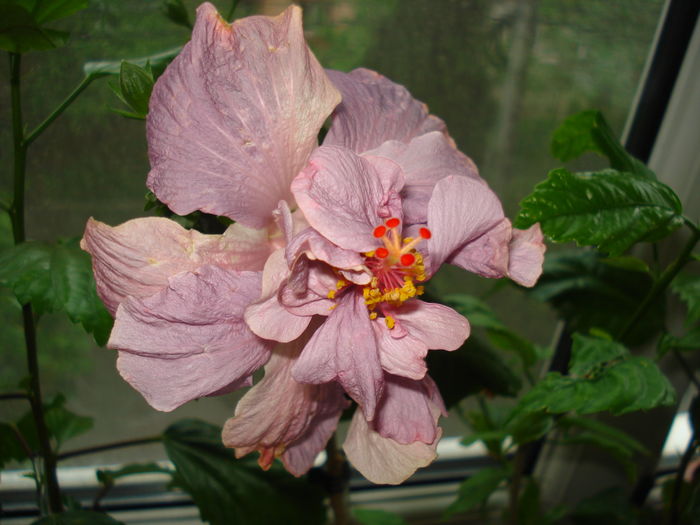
column 301, row 215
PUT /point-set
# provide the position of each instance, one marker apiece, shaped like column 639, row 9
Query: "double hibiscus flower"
column 319, row 278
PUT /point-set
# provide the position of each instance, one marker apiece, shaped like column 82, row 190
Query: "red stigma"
column 393, row 222
column 425, row 233
column 381, row 252
column 407, row 259
column 379, row 231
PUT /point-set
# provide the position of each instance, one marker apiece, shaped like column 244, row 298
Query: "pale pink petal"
column 526, row 255
column 487, row 255
column 312, row 244
column 406, row 412
column 240, row 247
column 375, row 109
column 189, row 340
column 266, row 317
column 383, row 460
column 137, row 258
column 344, row 349
column 280, row 417
column 313, row 297
column 345, row 196
column 235, row 116
column 460, row 210
column 438, row 326
column 425, row 160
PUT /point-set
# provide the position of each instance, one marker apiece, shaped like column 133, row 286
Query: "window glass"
column 501, row 73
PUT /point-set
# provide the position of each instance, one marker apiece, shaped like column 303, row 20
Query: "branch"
column 108, row 446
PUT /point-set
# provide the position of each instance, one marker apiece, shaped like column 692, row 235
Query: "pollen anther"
column 381, row 252
column 407, row 259
column 392, row 223
column 379, row 231
column 425, row 233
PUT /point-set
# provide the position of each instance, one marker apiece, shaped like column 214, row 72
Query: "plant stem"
column 13, row 395
column 232, row 10
column 514, row 487
column 337, row 469
column 108, row 446
column 48, row 472
column 662, row 283
column 60, row 109
column 674, row 511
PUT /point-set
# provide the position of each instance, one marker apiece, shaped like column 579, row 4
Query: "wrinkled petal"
column 407, row 412
column 280, row 417
column 189, row 340
column 266, row 317
column 344, row 349
column 487, row 255
column 402, row 356
column 345, row 196
column 460, row 210
column 526, row 255
column 313, row 298
column 235, row 116
column 436, row 325
column 426, row 160
column 137, row 257
column 312, row 244
column 383, row 460
column 373, row 110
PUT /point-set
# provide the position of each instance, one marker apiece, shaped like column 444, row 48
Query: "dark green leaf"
column 592, row 353
column 488, row 435
column 136, row 84
column 56, row 277
column 108, row 477
column 623, row 439
column 627, row 262
column 228, row 491
column 685, row 343
column 609, row 209
column 688, row 288
column 527, row 427
column 10, row 446
column 589, row 293
column 176, row 11
column 157, row 61
column 377, row 517
column 21, row 32
column 470, row 369
column 61, row 423
column 476, row 490
column 49, row 10
column 588, row 131
column 608, row 507
column 529, row 508
column 78, row 517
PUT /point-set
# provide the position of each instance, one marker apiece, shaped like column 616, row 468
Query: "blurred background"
column 502, row 74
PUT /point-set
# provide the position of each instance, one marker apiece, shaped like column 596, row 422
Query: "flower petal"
column 438, row 326
column 383, row 460
column 425, row 160
column 526, row 255
column 375, row 109
column 345, row 196
column 189, row 340
column 137, row 257
column 460, row 210
column 312, row 244
column 279, row 416
column 344, row 349
column 235, row 116
column 402, row 356
column 487, row 255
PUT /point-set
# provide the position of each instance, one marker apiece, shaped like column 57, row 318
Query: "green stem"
column 109, row 446
column 337, row 468
column 48, row 473
column 60, row 109
column 662, row 283
column 232, row 10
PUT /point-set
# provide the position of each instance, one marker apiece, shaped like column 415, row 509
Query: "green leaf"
column 136, row 84
column 176, row 11
column 157, row 61
column 529, row 508
column 108, row 477
column 527, row 427
column 470, row 369
column 21, row 32
column 377, row 517
column 227, row 490
column 476, row 490
column 78, row 517
column 623, row 439
column 488, row 435
column 56, row 277
column 609, row 209
column 608, row 507
column 49, row 10
column 613, row 382
column 688, row 288
column 627, row 262
column 10, row 447
column 588, row 131
column 61, row 423
column 685, row 343
column 589, row 293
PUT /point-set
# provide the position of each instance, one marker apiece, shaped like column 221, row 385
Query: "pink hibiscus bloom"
column 232, row 131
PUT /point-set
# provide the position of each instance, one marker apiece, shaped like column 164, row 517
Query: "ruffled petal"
column 375, row 109
column 425, row 160
column 345, row 196
column 312, row 244
column 526, row 255
column 402, row 356
column 487, row 255
column 189, row 340
column 137, row 257
column 235, row 116
column 460, row 210
column 438, row 326
column 280, row 417
column 381, row 459
column 344, row 349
